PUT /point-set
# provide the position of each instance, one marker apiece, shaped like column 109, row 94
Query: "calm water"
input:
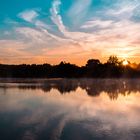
column 61, row 109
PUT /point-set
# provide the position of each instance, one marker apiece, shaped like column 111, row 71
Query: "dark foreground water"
column 62, row 109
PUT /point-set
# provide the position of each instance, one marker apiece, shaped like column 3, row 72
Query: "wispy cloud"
column 39, row 34
column 32, row 17
column 97, row 33
column 56, row 18
column 28, row 15
column 12, row 51
column 79, row 10
column 123, row 10
column 97, row 24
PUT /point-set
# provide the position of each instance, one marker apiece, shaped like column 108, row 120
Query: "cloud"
column 56, row 18
column 33, row 36
column 38, row 34
column 28, row 15
column 10, row 21
column 12, row 51
column 111, row 37
column 32, row 17
column 79, row 10
column 97, row 23
column 71, row 108
column 123, row 9
column 108, row 31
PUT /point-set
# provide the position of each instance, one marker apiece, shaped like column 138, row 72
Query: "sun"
column 125, row 62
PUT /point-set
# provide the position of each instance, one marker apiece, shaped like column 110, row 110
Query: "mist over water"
column 68, row 109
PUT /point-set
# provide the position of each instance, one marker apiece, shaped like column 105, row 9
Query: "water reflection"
column 63, row 110
column 92, row 87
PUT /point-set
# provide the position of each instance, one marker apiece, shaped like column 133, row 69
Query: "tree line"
column 113, row 68
column 93, row 87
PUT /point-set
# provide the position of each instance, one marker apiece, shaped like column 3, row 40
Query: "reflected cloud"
column 67, row 108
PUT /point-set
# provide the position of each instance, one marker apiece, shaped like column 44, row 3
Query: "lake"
column 69, row 109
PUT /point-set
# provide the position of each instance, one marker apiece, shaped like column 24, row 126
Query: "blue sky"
column 33, row 31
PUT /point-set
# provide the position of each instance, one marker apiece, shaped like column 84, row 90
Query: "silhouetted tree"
column 94, row 68
column 113, row 60
column 92, row 63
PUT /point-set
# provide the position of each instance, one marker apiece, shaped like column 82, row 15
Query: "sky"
column 50, row 31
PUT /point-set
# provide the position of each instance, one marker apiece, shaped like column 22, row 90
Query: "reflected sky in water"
column 70, row 109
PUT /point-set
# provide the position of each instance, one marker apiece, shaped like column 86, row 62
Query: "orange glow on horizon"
column 54, row 60
column 125, row 63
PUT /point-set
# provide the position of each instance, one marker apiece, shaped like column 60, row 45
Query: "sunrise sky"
column 50, row 31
